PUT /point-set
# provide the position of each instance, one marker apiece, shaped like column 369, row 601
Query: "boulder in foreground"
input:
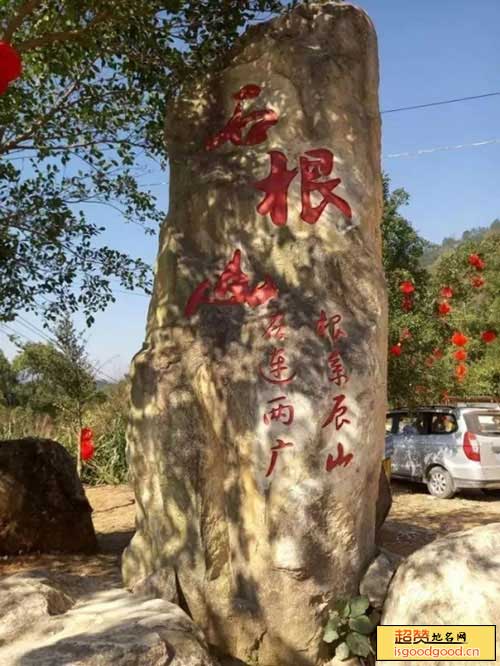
column 43, row 507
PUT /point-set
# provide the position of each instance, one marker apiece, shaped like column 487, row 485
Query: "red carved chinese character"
column 318, row 163
column 277, row 366
column 325, row 325
column 337, row 370
column 341, row 459
column 283, row 413
column 274, row 455
column 321, row 164
column 232, row 288
column 338, row 411
column 276, row 327
column 276, row 187
column 263, row 119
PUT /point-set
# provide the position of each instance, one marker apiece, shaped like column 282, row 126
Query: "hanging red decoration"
column 460, row 372
column 396, row 350
column 10, row 66
column 476, row 261
column 438, row 353
column 444, row 308
column 477, row 281
column 87, row 447
column 429, row 361
column 407, row 303
column 488, row 336
column 459, row 339
column 446, row 292
column 460, row 355
column 407, row 287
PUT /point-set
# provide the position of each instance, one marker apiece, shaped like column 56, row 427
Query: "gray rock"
column 454, row 580
column 26, row 599
column 375, row 582
column 111, row 628
column 257, row 547
column 42, row 502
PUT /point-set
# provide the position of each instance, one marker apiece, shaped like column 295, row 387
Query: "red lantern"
column 10, row 65
column 477, row 281
column 87, row 447
column 460, row 372
column 460, row 355
column 459, row 339
column 447, row 292
column 444, row 308
column 489, row 336
column 476, row 261
column 407, row 287
column 396, row 350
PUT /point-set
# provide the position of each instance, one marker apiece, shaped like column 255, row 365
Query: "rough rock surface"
column 112, row 628
column 42, row 502
column 375, row 582
column 26, row 599
column 384, row 500
column 454, row 580
column 257, row 539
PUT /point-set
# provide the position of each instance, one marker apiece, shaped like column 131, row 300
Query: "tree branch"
column 61, row 36
column 25, row 10
column 41, row 121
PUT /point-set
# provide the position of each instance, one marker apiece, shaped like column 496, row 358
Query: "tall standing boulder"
column 258, row 399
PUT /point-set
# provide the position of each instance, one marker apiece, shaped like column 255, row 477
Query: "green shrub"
column 349, row 627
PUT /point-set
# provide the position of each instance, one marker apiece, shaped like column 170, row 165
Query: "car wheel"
column 440, row 484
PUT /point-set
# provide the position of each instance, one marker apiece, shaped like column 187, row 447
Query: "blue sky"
column 429, row 51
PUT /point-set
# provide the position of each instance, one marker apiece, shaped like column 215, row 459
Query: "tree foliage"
column 74, row 130
column 424, row 372
column 56, row 378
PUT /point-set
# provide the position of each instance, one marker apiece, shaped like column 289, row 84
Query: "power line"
column 34, row 329
column 446, row 101
column 426, row 151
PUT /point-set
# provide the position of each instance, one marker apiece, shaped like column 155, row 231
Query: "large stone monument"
column 258, row 399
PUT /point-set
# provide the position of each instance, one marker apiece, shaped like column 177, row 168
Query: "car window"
column 443, row 424
column 483, row 423
column 411, row 424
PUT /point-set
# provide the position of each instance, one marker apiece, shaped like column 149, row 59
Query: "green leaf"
column 361, row 624
column 359, row 605
column 335, row 618
column 358, row 644
column 342, row 652
column 330, row 634
column 346, row 610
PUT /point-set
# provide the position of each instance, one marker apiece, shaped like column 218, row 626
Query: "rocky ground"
column 415, row 519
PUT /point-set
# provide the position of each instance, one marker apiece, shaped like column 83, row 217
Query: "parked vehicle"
column 447, row 447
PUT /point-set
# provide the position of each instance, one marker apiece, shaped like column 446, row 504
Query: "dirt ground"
column 415, row 519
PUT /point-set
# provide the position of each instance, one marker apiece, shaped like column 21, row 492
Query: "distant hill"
column 433, row 251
